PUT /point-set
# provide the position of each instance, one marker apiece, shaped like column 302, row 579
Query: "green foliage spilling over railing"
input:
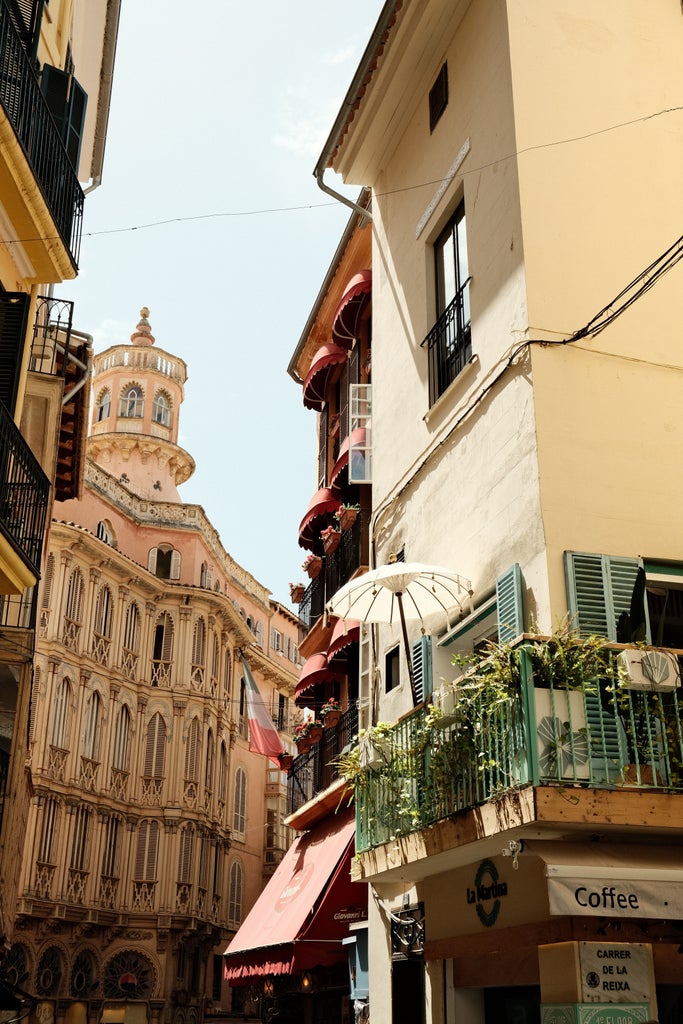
column 562, row 710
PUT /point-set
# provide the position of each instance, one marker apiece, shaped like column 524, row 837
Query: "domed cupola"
column 138, row 391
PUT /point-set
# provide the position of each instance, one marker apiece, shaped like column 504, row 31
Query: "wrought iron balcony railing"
column 315, row 770
column 449, row 344
column 51, row 335
column 601, row 735
column 24, row 493
column 338, row 567
column 36, row 130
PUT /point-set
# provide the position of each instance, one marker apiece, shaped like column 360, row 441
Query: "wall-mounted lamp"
column 269, row 987
column 306, row 982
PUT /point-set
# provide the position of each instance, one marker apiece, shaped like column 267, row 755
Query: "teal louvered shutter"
column 599, row 589
column 422, row 667
column 509, row 607
column 606, row 740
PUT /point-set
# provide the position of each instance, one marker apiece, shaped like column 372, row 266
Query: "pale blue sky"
column 225, row 113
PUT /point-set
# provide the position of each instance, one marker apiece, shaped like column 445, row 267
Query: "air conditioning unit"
column 650, row 670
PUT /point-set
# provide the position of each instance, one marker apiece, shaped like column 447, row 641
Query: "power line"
column 232, row 214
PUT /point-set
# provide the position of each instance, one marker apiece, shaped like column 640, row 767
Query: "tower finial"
column 142, row 335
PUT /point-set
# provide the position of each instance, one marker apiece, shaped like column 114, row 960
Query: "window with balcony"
column 198, row 666
column 162, row 651
column 449, row 343
column 131, row 640
column 78, row 872
column 192, row 755
column 73, row 610
column 102, row 625
column 132, row 402
column 111, row 872
column 145, row 865
column 155, row 760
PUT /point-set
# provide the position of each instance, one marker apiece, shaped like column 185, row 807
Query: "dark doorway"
column 670, row 1003
column 512, row 1005
column 407, row 992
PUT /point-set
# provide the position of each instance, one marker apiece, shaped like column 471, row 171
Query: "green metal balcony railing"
column 604, row 735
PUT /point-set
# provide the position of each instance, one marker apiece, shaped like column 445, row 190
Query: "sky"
column 215, row 127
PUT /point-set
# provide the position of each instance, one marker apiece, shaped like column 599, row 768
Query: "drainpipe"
column 365, row 213
column 86, row 367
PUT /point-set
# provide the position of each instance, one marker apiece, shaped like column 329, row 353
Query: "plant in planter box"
column 330, row 713
column 346, row 515
column 312, row 566
column 297, row 592
column 330, row 538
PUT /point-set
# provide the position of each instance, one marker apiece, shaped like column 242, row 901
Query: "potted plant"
column 346, row 516
column 312, row 565
column 330, row 713
column 286, row 760
column 296, row 592
column 301, row 738
column 330, row 537
column 315, row 729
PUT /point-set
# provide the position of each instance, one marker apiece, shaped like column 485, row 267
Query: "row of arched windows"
column 132, row 405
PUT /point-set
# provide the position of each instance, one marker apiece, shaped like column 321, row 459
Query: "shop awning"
column 321, row 504
column 610, row 880
column 357, row 437
column 315, row 670
column 345, row 632
column 302, row 915
column 324, row 363
column 351, row 307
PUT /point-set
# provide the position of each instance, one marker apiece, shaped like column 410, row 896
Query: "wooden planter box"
column 331, row 541
column 347, row 518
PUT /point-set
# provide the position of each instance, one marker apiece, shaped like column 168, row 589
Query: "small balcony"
column 315, row 770
column 338, row 568
column 477, row 743
column 24, row 494
column 39, row 139
column 449, row 344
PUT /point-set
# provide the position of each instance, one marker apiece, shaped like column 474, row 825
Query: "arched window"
column 162, row 652
column 146, row 851
column 208, row 772
column 185, row 855
column 48, row 831
column 235, row 894
column 164, row 562
column 226, row 672
column 103, row 407
column 102, row 625
column 91, row 724
column 105, row 532
column 155, row 748
column 192, row 752
column 132, row 402
column 215, row 663
column 110, row 853
column 79, row 838
column 60, row 714
column 73, row 610
column 204, row 575
column 161, row 409
column 119, row 758
column 239, row 812
column 223, row 773
column 131, row 641
column 198, row 654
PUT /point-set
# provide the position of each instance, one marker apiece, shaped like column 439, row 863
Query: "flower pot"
column 331, row 541
column 313, row 568
column 331, row 718
column 315, row 733
column 347, row 518
column 303, row 744
column 286, row 762
column 297, row 593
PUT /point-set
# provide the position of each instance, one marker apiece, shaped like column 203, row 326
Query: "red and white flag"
column 263, row 736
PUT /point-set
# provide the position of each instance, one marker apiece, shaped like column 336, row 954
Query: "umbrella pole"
column 399, row 598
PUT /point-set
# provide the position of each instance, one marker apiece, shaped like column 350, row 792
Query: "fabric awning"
column 351, row 307
column 357, row 437
column 612, row 880
column 315, row 670
column 345, row 633
column 323, row 365
column 321, row 504
column 302, row 915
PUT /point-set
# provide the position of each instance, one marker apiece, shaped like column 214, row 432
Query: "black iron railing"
column 37, row 132
column 24, row 492
column 449, row 344
column 338, row 567
column 51, row 335
column 315, row 770
column 313, row 604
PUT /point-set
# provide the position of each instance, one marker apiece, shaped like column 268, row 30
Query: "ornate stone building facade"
column 153, row 827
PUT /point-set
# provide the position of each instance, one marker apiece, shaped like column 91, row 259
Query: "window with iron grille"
column 449, row 343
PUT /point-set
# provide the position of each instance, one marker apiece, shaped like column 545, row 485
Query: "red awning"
column 302, row 915
column 324, row 363
column 315, row 670
column 358, row 436
column 349, row 311
column 322, row 503
column 345, row 632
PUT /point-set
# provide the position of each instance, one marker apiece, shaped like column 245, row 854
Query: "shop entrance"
column 407, row 992
column 512, row 1005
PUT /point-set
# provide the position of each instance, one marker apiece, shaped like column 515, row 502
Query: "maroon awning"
column 324, row 363
column 321, row 504
column 350, row 309
column 302, row 915
column 345, row 632
column 315, row 670
column 357, row 436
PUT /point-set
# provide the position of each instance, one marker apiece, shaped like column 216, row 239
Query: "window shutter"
column 167, row 643
column 175, row 565
column 509, row 605
column 422, row 667
column 599, row 589
column 192, row 751
column 13, row 324
column 152, row 561
column 607, row 743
